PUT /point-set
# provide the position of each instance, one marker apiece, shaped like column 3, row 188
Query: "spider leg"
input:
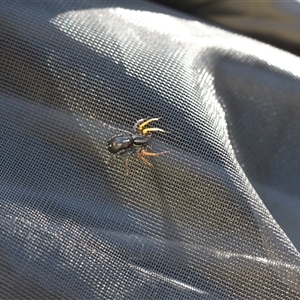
column 142, row 153
column 137, row 124
column 146, row 130
column 121, row 153
column 107, row 161
column 126, row 165
column 146, row 153
column 143, row 159
column 140, row 124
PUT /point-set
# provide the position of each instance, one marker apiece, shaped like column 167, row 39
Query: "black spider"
column 137, row 142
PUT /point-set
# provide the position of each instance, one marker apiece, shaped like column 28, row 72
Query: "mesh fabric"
column 195, row 225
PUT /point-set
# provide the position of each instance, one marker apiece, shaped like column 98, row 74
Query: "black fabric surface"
column 216, row 218
column 273, row 22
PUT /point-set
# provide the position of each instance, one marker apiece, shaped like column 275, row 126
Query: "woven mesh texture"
column 216, row 218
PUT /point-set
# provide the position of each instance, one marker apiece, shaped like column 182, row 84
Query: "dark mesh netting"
column 217, row 217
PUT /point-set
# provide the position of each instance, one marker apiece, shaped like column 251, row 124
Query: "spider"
column 135, row 143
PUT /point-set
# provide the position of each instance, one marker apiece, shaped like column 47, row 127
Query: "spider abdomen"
column 120, row 142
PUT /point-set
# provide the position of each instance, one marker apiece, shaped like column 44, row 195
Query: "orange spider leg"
column 146, row 153
column 143, row 159
column 126, row 166
column 141, row 154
